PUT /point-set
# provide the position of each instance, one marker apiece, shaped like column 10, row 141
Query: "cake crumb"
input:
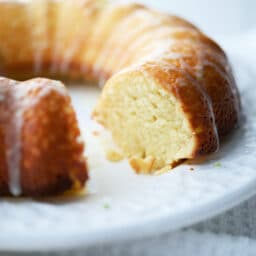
column 113, row 156
column 95, row 133
column 191, row 169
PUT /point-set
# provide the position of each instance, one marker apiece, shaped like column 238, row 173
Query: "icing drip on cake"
column 11, row 142
column 19, row 103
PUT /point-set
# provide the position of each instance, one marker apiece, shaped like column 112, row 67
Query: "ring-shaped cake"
column 169, row 93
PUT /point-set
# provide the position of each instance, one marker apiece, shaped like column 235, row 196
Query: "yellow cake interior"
column 146, row 122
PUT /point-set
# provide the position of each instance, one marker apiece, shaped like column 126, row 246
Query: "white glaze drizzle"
column 21, row 102
column 132, row 35
column 139, row 42
column 70, row 52
column 108, row 49
column 72, row 49
column 38, row 31
column 57, row 45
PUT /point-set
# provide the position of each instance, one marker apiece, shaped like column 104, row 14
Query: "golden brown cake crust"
column 199, row 113
column 50, row 158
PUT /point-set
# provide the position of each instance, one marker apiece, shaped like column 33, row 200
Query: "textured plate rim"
column 137, row 230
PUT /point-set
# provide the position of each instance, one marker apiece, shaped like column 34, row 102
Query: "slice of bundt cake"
column 157, row 124
column 40, row 151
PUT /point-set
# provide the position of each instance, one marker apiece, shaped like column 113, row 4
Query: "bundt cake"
column 169, row 94
column 40, row 152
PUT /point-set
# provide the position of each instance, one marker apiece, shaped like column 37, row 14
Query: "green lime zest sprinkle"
column 218, row 164
column 106, row 206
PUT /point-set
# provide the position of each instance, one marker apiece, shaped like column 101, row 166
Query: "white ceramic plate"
column 121, row 205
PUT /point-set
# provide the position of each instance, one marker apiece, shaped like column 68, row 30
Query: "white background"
column 215, row 17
